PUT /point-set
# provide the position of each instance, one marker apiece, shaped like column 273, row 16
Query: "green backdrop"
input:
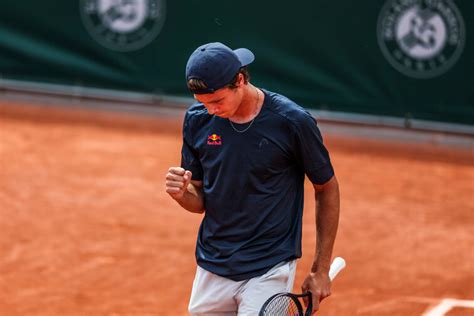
column 323, row 54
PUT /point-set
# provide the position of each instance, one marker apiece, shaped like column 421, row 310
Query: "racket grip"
column 337, row 265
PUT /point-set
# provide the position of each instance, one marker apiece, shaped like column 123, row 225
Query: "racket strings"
column 284, row 306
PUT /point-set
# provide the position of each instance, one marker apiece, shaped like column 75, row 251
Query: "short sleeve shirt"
column 253, row 184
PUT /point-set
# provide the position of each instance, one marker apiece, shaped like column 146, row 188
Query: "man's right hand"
column 177, row 181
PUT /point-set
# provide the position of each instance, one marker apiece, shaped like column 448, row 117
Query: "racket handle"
column 336, row 266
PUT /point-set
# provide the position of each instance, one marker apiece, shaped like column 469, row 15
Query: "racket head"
column 286, row 304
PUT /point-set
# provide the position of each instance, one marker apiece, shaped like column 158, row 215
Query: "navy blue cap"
column 216, row 65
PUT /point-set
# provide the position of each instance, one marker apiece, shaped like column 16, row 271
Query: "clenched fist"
column 177, row 181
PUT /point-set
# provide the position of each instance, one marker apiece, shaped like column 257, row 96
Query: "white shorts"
column 214, row 295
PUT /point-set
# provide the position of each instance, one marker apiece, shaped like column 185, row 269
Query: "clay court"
column 87, row 229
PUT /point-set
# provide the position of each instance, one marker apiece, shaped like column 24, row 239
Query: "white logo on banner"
column 123, row 25
column 421, row 38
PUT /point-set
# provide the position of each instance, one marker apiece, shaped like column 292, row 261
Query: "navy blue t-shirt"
column 253, row 184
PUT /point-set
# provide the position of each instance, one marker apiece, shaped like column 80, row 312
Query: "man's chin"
column 222, row 115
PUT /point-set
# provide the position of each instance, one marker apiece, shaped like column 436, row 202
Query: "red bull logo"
column 214, row 140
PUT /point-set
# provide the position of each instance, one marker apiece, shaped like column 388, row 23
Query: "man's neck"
column 250, row 106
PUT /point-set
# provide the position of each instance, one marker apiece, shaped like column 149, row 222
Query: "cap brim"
column 245, row 56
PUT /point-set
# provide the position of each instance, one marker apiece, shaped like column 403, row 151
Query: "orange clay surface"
column 87, row 229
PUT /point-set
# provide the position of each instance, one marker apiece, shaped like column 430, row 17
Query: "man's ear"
column 241, row 79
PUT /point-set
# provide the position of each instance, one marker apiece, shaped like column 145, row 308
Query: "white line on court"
column 437, row 306
column 446, row 305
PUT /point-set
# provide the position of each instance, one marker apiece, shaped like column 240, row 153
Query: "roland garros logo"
column 421, row 38
column 123, row 25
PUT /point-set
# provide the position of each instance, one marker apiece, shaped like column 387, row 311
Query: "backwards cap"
column 216, row 65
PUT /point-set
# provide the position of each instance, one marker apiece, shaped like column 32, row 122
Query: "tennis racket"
column 288, row 304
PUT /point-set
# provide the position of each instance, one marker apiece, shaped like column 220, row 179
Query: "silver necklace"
column 251, row 122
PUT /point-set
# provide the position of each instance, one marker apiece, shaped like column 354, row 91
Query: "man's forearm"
column 327, row 219
column 192, row 200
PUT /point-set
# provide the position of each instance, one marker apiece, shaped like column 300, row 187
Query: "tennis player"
column 245, row 155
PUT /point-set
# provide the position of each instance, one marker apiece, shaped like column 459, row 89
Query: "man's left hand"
column 319, row 285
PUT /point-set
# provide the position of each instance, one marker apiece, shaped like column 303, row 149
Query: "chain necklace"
column 251, row 122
